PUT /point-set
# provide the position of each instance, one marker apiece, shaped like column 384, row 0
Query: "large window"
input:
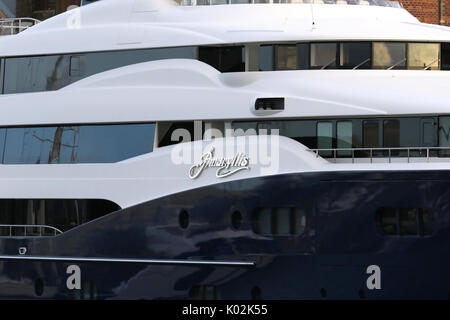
column 389, row 55
column 279, row 221
column 323, row 55
column 344, row 137
column 286, row 57
column 224, row 59
column 423, row 56
column 49, row 217
column 44, row 73
column 75, row 144
column 355, row 55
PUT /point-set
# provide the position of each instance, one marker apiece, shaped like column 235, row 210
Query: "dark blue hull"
column 328, row 260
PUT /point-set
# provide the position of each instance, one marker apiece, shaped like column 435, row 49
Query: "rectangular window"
column 408, row 222
column 391, row 133
column 285, row 57
column 303, row 56
column 282, row 221
column 423, row 56
column 344, row 137
column 325, row 138
column 356, row 55
column 386, row 219
column 445, row 56
column 266, row 60
column 224, row 59
column 371, row 134
column 444, row 136
column 389, row 55
column 323, row 55
column 77, row 144
column 2, row 61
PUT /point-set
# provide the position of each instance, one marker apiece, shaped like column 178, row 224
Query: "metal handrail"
column 16, row 25
column 371, row 151
column 25, row 226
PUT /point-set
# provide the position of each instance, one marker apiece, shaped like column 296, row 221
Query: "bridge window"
column 286, row 57
column 389, row 55
column 445, row 55
column 323, row 55
column 325, row 137
column 344, row 137
column 224, row 59
column 76, row 144
column 423, row 56
column 49, row 217
column 356, row 55
column 405, row 221
column 266, row 60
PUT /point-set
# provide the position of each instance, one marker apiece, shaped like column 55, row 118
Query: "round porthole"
column 38, row 287
column 236, row 220
column 183, row 219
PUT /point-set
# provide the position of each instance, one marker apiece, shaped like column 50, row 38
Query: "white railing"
column 408, row 154
column 24, row 228
column 11, row 26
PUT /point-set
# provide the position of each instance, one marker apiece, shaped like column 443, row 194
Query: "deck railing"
column 406, row 153
column 11, row 26
column 24, row 228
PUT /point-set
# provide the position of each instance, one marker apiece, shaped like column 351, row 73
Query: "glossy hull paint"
column 328, row 261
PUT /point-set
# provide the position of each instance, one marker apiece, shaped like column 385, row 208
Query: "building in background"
column 428, row 11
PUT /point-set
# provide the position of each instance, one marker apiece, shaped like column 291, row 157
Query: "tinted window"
column 423, row 56
column 344, row 137
column 405, row 221
column 43, row 73
column 325, row 137
column 266, row 60
column 62, row 214
column 77, row 144
column 303, row 56
column 356, row 55
column 279, row 221
column 389, row 55
column 445, row 56
column 391, row 133
column 371, row 134
column 286, row 57
column 224, row 59
column 323, row 55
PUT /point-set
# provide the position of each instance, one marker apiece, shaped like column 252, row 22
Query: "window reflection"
column 286, row 57
column 445, row 56
column 355, row 55
column 389, row 55
column 77, row 144
column 423, row 56
column 323, row 55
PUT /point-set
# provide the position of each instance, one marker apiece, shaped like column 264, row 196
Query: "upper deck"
column 110, row 25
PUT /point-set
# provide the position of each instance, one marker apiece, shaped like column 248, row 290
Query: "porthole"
column 236, row 220
column 183, row 219
column 38, row 287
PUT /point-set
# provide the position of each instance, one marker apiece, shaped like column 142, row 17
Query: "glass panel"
column 445, row 56
column 391, row 133
column 389, row 55
column 286, row 57
column 371, row 134
column 325, row 137
column 408, row 222
column 77, row 144
column 2, row 69
column 444, row 136
column 344, row 137
column 423, row 56
column 427, row 222
column 356, row 55
column 224, row 59
column 387, row 221
column 266, row 60
column 264, row 221
column 323, row 55
column 303, row 56
column 283, row 221
column 299, row 221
